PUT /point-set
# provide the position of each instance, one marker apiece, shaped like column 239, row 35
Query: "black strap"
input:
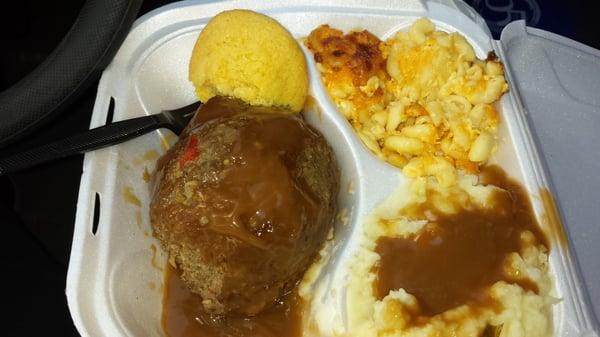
column 79, row 59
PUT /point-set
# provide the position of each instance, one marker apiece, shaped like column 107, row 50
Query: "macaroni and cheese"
column 421, row 100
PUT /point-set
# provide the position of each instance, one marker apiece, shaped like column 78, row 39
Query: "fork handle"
column 93, row 139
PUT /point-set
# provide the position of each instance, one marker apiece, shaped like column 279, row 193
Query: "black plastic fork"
column 110, row 134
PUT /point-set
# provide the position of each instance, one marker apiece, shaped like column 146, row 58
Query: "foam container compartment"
column 115, row 277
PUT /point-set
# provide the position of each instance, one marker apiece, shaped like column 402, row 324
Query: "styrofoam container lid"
column 558, row 81
column 115, row 277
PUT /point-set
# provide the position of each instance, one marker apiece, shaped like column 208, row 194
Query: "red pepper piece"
column 191, row 151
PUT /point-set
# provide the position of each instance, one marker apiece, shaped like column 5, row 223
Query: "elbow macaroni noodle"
column 426, row 107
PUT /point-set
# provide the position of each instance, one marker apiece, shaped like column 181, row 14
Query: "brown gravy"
column 454, row 261
column 183, row 316
column 258, row 189
column 551, row 218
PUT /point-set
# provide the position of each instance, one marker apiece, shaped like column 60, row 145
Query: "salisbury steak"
column 243, row 202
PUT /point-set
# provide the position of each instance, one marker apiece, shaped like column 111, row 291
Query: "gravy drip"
column 183, row 316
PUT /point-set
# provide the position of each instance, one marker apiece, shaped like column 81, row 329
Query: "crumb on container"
column 342, row 216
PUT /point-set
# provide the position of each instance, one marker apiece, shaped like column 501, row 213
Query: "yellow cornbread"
column 249, row 56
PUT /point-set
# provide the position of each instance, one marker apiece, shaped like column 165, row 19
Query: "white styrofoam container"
column 114, row 282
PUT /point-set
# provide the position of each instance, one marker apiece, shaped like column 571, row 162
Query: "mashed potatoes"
column 247, row 55
column 514, row 311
